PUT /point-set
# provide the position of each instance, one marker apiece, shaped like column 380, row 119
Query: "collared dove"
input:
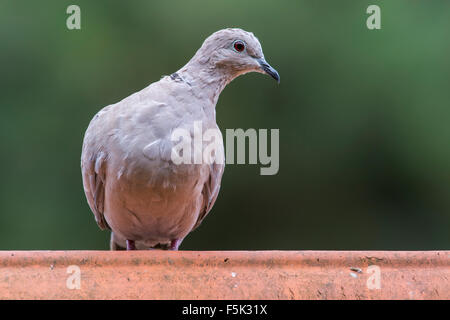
column 131, row 183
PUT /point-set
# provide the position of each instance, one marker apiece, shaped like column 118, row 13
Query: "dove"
column 132, row 185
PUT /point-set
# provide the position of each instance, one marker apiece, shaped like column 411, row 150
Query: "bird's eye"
column 239, row 46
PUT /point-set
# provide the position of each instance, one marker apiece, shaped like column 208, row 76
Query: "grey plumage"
column 131, row 184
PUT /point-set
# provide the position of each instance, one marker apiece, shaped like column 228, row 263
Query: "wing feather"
column 94, row 177
column 210, row 191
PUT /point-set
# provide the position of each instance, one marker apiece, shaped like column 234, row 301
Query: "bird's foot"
column 175, row 244
column 131, row 245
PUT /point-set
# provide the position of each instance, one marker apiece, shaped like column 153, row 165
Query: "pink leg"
column 131, row 245
column 175, row 244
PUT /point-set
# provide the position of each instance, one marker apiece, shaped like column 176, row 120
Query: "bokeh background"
column 364, row 119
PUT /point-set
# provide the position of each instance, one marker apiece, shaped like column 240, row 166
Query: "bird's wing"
column 210, row 191
column 93, row 167
column 94, row 177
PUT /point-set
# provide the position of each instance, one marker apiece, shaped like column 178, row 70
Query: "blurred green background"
column 364, row 119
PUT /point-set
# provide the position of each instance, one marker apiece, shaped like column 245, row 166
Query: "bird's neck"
column 206, row 80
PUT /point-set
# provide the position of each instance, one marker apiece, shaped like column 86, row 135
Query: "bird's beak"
column 268, row 69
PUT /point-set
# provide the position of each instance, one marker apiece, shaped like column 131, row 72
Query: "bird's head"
column 234, row 52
